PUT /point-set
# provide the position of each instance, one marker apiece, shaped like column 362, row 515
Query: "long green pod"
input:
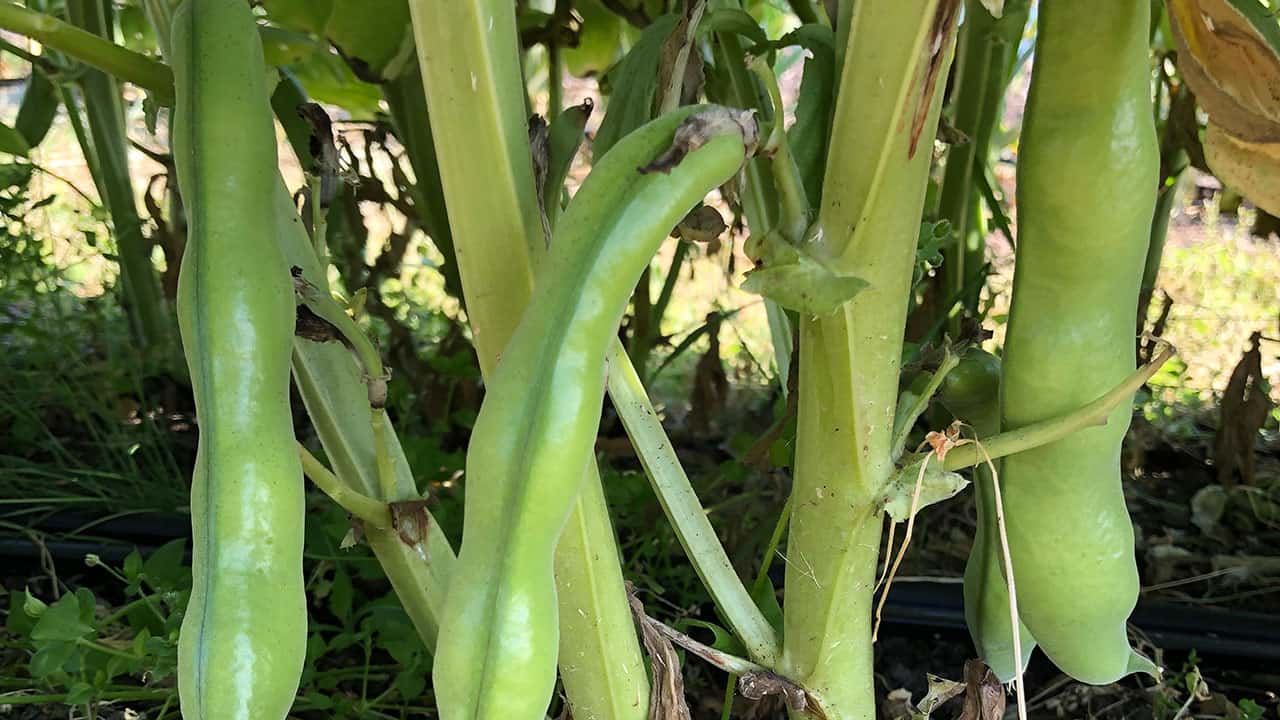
column 971, row 392
column 1087, row 177
column 496, row 656
column 243, row 639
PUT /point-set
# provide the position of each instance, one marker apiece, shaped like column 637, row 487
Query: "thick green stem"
column 147, row 312
column 1173, row 162
column 680, row 503
column 407, row 104
column 91, row 49
column 984, row 54
column 873, row 194
column 974, row 51
column 468, row 51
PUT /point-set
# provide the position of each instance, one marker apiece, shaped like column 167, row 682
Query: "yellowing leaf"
column 1229, row 52
column 1252, row 168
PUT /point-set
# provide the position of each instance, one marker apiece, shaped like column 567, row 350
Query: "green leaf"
column 780, row 331
column 341, row 594
column 87, row 603
column 995, row 7
column 633, row 83
column 724, row 641
column 937, row 485
column 141, row 642
column 80, row 693
column 376, row 36
column 565, row 134
column 327, row 79
column 286, row 47
column 39, row 107
column 809, row 134
column 803, row 284
column 12, row 142
column 317, row 701
column 285, row 100
column 734, row 20
column 1251, row 709
column 135, row 29
column 15, row 175
column 766, row 598
column 600, row 39
column 61, row 621
column 24, row 608
column 132, row 566
column 51, row 658
column 410, row 684
column 304, row 15
column 164, row 570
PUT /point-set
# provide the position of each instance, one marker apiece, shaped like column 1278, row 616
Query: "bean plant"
column 865, row 222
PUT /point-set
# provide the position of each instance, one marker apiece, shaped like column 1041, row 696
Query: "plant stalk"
column 873, row 194
column 681, row 505
column 86, row 47
column 147, row 310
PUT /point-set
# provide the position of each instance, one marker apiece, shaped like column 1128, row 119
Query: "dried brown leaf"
column 666, row 693
column 1231, row 64
column 1244, row 409
column 983, row 693
column 1252, row 168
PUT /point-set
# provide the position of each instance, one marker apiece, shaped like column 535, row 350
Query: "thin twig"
column 361, row 506
column 902, row 551
column 1011, row 587
column 888, row 550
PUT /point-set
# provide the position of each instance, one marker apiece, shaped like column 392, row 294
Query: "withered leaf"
column 1244, row 410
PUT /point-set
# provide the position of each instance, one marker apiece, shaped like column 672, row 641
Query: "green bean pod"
column 972, row 393
column 1087, row 176
column 496, row 656
column 243, row 638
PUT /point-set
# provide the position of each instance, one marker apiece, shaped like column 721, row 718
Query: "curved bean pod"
column 243, row 638
column 496, row 656
column 1087, row 176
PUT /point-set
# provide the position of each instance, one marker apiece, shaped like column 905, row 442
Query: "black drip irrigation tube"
column 1215, row 633
column 1225, row 636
